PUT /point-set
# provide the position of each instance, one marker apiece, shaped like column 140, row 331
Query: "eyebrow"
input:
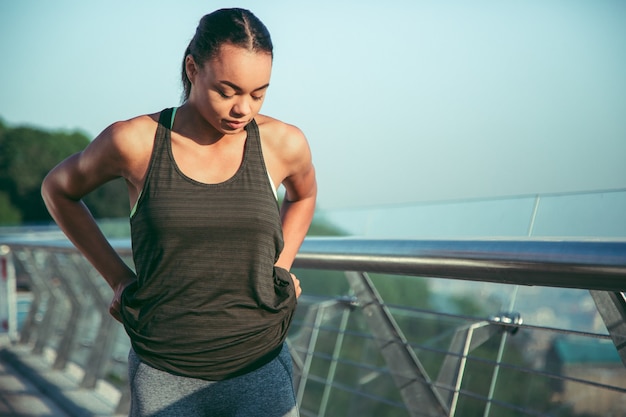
column 236, row 87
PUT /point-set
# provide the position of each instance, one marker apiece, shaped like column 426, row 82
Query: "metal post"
column 105, row 339
column 123, row 406
column 43, row 279
column 612, row 309
column 330, row 377
column 66, row 345
column 416, row 388
column 29, row 327
column 459, row 377
column 465, row 339
column 496, row 369
column 100, row 352
column 9, row 295
column 309, row 354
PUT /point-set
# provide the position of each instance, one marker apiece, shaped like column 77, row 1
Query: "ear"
column 191, row 68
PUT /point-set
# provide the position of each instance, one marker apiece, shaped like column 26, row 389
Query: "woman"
column 208, row 308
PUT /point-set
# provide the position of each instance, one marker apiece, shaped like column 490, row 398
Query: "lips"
column 235, row 124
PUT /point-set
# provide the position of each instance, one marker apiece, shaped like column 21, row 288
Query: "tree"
column 26, row 156
column 9, row 214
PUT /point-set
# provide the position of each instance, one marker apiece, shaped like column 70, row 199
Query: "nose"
column 242, row 107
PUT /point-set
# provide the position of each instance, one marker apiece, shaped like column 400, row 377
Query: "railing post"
column 123, row 406
column 43, row 280
column 67, row 278
column 612, row 309
column 309, row 353
column 348, row 305
column 416, row 388
column 104, row 342
column 465, row 339
column 29, row 326
column 8, row 296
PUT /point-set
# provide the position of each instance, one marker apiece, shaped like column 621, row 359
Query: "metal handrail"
column 592, row 264
column 584, row 264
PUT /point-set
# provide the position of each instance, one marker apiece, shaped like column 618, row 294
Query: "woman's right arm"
column 104, row 159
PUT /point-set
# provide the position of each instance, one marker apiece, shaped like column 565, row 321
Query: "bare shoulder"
column 124, row 147
column 284, row 140
column 287, row 155
column 132, row 135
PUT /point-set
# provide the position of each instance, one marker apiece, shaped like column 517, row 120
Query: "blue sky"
column 402, row 101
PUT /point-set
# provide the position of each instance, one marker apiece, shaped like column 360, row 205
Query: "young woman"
column 209, row 304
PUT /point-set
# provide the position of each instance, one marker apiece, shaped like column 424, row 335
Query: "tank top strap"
column 166, row 120
column 254, row 138
column 254, row 145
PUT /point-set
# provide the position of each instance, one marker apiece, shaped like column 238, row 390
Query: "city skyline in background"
column 402, row 102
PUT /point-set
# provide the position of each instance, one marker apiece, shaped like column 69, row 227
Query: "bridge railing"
column 397, row 327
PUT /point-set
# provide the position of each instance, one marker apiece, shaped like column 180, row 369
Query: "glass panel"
column 589, row 215
column 598, row 214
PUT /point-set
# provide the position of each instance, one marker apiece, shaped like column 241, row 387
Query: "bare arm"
column 62, row 191
column 301, row 191
column 296, row 215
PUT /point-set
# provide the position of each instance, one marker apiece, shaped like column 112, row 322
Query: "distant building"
column 594, row 360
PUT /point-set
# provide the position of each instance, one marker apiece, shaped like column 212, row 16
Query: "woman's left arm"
column 300, row 195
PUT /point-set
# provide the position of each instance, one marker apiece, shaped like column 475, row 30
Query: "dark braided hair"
column 238, row 27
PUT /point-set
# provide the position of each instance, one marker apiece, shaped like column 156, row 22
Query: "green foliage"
column 26, row 156
column 402, row 290
column 323, row 283
column 9, row 215
column 321, row 227
column 109, row 201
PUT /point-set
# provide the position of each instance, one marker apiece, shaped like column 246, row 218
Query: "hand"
column 116, row 303
column 296, row 285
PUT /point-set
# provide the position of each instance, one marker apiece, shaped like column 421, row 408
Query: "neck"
column 191, row 124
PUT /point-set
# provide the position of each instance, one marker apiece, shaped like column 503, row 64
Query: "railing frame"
column 595, row 265
column 592, row 264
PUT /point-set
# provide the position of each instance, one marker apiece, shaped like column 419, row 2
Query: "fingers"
column 296, row 285
column 114, row 310
column 116, row 304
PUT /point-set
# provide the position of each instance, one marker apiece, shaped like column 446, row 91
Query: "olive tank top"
column 208, row 301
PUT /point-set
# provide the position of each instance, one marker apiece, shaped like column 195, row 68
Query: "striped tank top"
column 208, row 301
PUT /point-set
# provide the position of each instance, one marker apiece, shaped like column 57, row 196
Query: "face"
column 229, row 89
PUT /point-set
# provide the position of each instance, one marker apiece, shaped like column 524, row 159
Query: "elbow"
column 54, row 190
column 48, row 190
column 313, row 193
column 45, row 187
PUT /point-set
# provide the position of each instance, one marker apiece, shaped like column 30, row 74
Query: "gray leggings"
column 267, row 392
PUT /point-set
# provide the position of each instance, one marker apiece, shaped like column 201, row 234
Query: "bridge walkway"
column 29, row 387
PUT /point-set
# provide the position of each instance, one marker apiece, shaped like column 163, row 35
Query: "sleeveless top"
column 208, row 301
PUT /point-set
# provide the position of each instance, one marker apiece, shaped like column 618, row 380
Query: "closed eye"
column 223, row 94
column 228, row 85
